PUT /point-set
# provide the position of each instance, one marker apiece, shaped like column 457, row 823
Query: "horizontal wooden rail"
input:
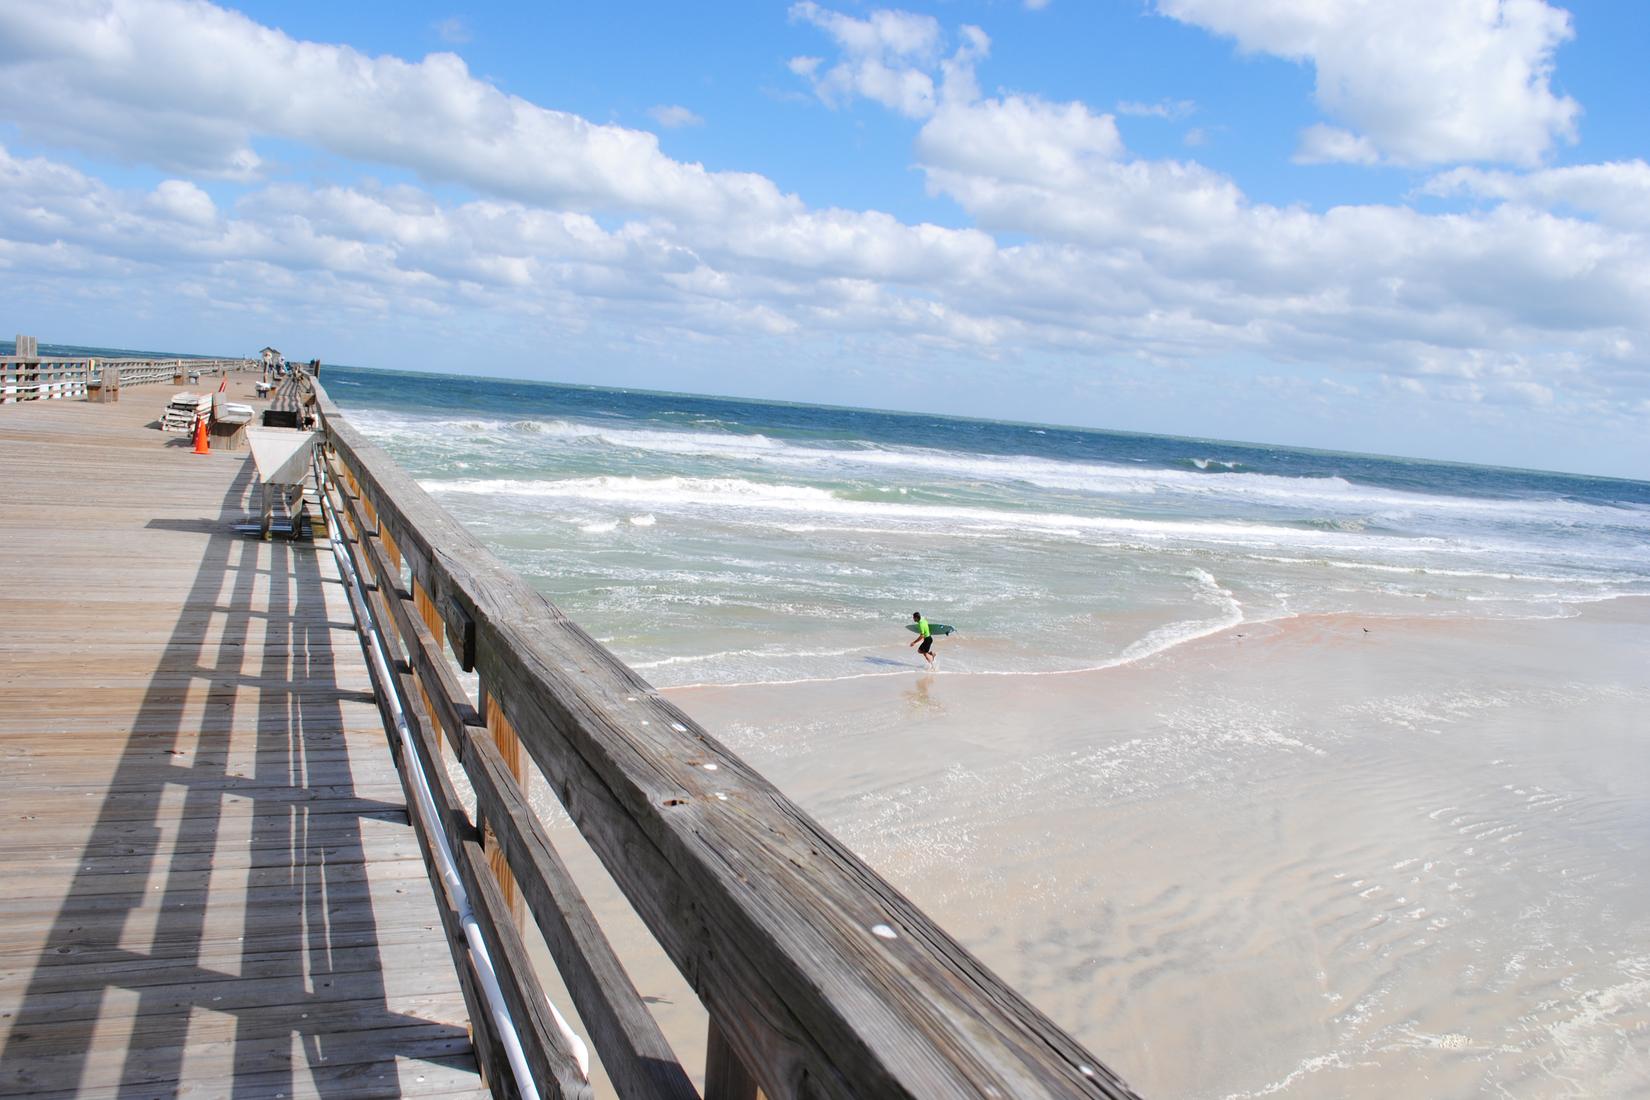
column 43, row 380
column 48, row 377
column 820, row 979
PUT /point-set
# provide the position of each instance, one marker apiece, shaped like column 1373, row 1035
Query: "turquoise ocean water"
column 713, row 540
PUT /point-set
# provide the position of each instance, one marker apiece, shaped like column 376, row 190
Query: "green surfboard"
column 933, row 628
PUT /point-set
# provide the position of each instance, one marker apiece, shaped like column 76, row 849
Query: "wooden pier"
column 237, row 844
column 211, row 886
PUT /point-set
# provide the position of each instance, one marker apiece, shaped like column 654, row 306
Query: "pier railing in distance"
column 28, row 376
column 819, row 978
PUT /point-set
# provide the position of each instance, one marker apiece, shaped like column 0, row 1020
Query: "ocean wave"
column 1424, row 570
column 1331, row 498
column 670, row 490
column 725, row 656
column 738, row 494
column 1179, row 633
column 1345, row 523
column 666, row 440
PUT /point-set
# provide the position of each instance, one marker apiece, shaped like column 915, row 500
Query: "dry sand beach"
column 1324, row 856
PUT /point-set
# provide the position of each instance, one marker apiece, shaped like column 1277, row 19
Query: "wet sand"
column 1326, row 856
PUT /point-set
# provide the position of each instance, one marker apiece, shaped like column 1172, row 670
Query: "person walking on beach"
column 925, row 636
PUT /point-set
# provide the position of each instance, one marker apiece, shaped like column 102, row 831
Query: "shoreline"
column 1583, row 609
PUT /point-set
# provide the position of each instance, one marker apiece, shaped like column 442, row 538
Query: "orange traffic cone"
column 201, row 446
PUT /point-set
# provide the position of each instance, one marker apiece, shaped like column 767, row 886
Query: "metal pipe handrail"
column 481, row 960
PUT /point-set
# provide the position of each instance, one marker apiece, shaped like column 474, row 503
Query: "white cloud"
column 1058, row 171
column 402, row 249
column 885, row 58
column 1617, row 193
column 1322, row 144
column 1195, row 268
column 1419, row 81
column 886, row 34
column 1019, row 138
column 1406, row 385
column 891, row 57
column 1531, row 393
column 229, row 80
column 673, row 117
column 184, row 201
column 1163, row 108
column 452, row 29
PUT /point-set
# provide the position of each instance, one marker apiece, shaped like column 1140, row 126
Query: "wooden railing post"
column 509, row 747
column 426, row 611
column 394, row 552
column 25, row 382
column 726, row 1077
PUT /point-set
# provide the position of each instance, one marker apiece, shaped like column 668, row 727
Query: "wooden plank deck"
column 211, row 888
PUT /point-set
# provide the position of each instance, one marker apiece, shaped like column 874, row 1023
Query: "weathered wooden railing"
column 27, row 376
column 819, row 978
column 43, row 379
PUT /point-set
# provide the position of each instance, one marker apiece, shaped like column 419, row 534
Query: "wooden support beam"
column 509, row 752
column 389, row 548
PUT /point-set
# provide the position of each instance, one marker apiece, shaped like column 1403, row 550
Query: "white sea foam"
column 1437, row 571
column 765, row 655
column 742, row 494
column 678, row 442
column 1158, row 642
column 1335, row 495
column 1174, row 634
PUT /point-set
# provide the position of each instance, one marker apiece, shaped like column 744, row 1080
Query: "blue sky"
column 1420, row 227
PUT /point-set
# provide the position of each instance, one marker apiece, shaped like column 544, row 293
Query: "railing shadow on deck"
column 304, row 968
